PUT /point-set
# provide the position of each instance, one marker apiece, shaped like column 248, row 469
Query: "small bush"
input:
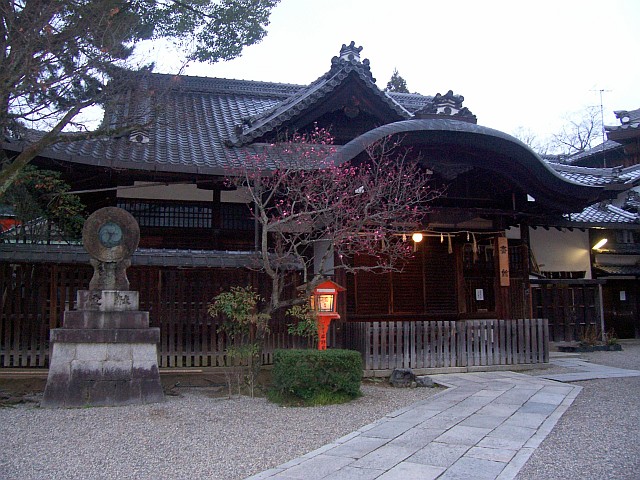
column 316, row 377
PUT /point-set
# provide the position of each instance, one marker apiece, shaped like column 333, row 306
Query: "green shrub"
column 316, row 377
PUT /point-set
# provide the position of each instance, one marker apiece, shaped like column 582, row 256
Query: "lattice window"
column 151, row 213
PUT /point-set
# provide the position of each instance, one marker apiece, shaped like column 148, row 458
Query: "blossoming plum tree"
column 318, row 215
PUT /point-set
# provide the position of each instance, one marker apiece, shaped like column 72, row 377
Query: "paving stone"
column 388, row 429
column 539, row 408
column 316, row 468
column 490, row 393
column 550, row 398
column 443, row 420
column 483, row 421
column 353, row 473
column 461, row 435
column 499, row 410
column 498, row 442
column 558, row 389
column 485, row 427
column 529, row 420
column 516, row 396
column 417, row 437
column 357, row 447
column 417, row 415
column 384, row 458
column 412, row 471
column 475, row 401
column 473, row 468
column 510, row 432
column 495, row 454
column 438, row 454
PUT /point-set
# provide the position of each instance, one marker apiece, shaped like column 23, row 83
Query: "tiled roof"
column 598, row 176
column 412, row 102
column 606, row 147
column 620, row 248
column 604, row 213
column 619, row 270
column 307, row 98
column 629, row 120
column 143, row 256
column 195, row 118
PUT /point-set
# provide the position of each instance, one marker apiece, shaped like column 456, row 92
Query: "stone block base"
column 102, row 374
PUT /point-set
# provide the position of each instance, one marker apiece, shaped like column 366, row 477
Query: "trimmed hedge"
column 305, row 374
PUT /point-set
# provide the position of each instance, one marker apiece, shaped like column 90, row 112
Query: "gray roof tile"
column 604, row 213
column 598, row 176
column 607, row 146
column 142, row 256
column 195, row 119
column 306, row 98
column 619, row 270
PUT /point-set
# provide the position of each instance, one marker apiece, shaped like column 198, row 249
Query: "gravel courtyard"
column 197, row 436
column 191, row 436
column 599, row 436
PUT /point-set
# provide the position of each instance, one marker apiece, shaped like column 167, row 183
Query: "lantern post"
column 324, row 301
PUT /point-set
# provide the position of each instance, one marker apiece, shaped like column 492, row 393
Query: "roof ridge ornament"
column 350, row 52
column 449, row 104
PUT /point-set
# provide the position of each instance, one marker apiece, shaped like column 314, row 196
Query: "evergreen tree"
column 397, row 83
column 62, row 56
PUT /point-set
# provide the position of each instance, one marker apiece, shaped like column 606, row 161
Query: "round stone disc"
column 110, row 234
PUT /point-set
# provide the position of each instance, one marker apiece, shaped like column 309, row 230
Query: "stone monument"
column 105, row 354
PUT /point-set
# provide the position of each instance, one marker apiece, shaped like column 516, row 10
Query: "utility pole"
column 601, row 91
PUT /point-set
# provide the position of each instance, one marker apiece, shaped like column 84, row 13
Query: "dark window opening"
column 236, row 216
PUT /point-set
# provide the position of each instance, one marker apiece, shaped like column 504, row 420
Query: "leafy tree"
column 245, row 329
column 305, row 323
column 318, row 215
column 61, row 56
column 397, row 83
column 43, row 208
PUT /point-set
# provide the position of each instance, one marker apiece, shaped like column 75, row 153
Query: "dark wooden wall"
column 439, row 285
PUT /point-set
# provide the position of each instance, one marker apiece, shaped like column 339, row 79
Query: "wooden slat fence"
column 440, row 344
column 34, row 298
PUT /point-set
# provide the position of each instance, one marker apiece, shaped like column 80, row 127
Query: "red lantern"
column 324, row 302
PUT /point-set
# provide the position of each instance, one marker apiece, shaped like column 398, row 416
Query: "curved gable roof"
column 486, row 148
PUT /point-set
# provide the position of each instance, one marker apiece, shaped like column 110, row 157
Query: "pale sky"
column 518, row 64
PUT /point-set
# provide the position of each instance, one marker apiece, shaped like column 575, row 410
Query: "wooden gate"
column 570, row 305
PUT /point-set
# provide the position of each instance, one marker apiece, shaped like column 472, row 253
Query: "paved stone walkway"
column 587, row 370
column 484, row 426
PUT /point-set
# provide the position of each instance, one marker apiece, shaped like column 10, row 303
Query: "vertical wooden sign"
column 503, row 261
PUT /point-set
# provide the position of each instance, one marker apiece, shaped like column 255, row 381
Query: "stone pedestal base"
column 97, row 362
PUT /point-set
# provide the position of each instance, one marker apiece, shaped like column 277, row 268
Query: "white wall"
column 561, row 250
column 151, row 191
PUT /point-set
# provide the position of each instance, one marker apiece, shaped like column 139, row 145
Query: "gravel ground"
column 191, row 436
column 599, row 435
column 196, row 435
